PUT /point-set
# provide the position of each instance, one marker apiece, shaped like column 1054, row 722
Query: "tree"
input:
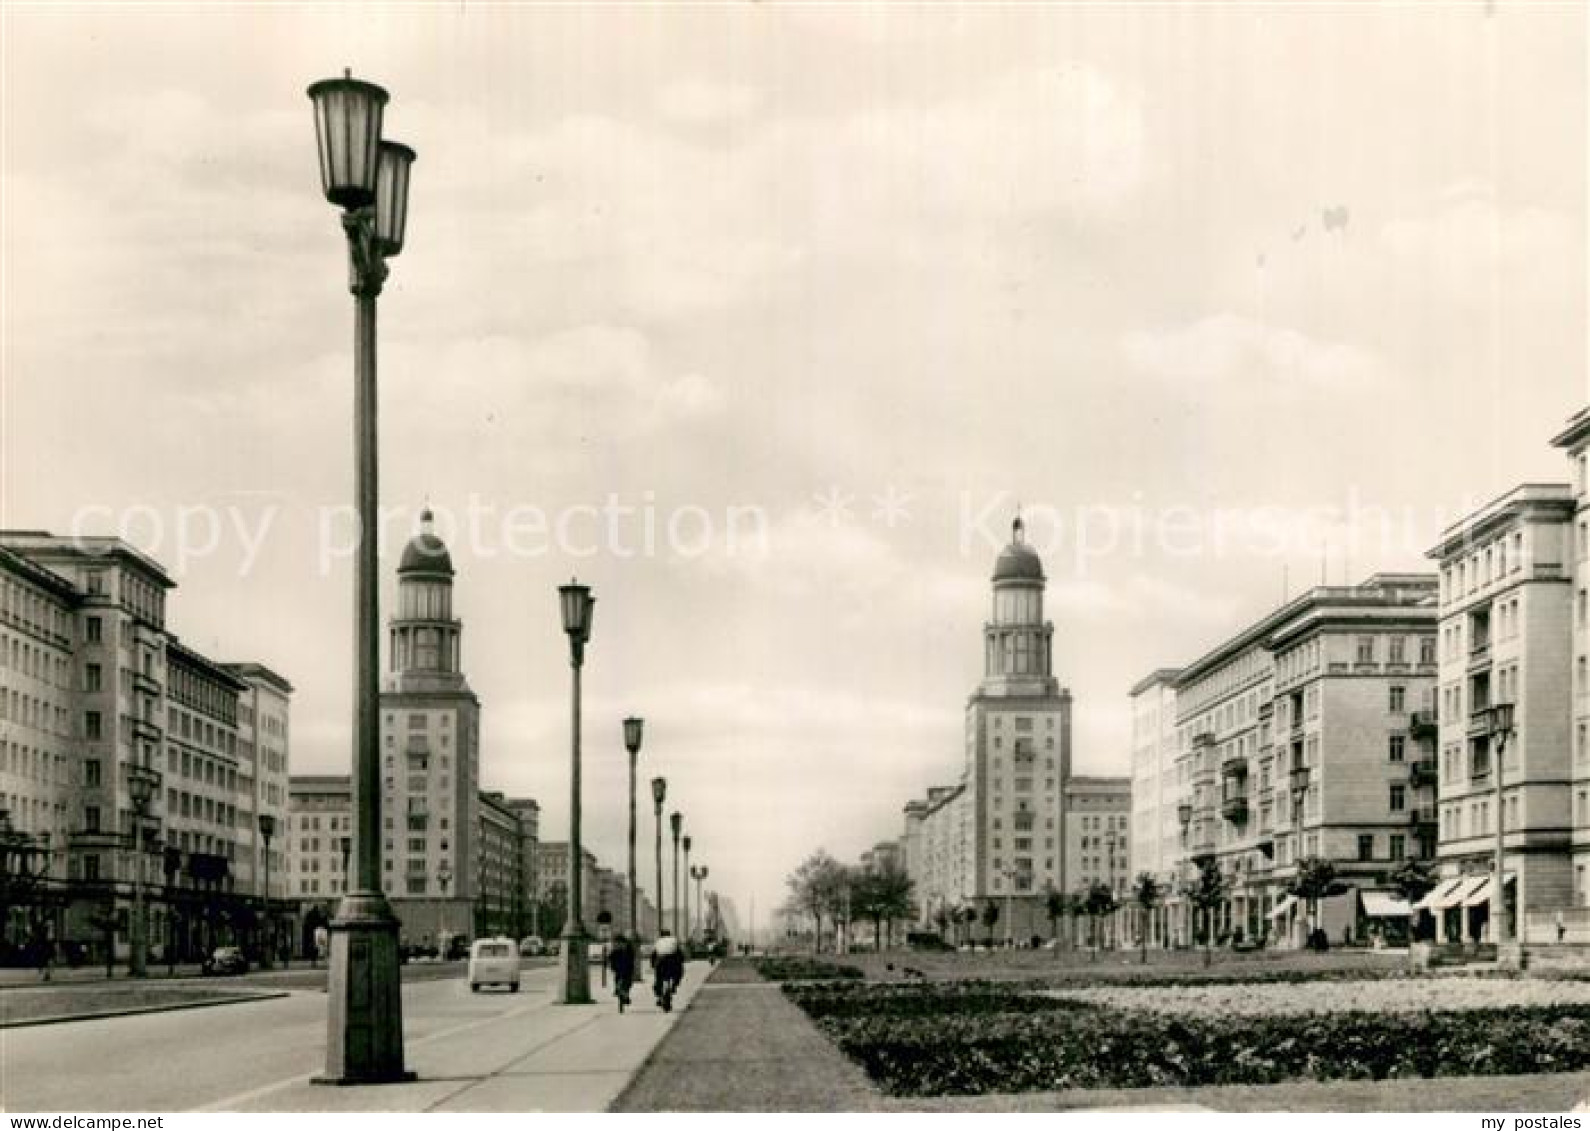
column 1414, row 879
column 1148, row 893
column 1207, row 891
column 1054, row 904
column 990, row 917
column 820, row 887
column 1315, row 879
column 1099, row 902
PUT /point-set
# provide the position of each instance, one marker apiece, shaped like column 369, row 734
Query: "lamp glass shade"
column 392, row 195
column 141, row 785
column 348, row 129
column 676, row 821
column 1502, row 717
column 267, row 825
column 633, row 731
column 686, row 843
column 659, row 790
column 1184, row 812
column 703, row 871
column 576, row 601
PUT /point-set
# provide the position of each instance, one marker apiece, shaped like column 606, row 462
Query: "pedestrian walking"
column 668, row 967
column 621, row 960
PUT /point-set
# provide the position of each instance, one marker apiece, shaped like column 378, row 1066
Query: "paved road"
column 257, row 1056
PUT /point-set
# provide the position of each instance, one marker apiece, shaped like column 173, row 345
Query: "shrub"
column 776, row 969
column 972, row 1038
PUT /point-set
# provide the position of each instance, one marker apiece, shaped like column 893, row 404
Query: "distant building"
column 1156, row 792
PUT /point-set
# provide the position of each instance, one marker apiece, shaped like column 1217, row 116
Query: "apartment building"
column 1155, row 846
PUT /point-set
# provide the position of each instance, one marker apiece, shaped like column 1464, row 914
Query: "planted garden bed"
column 971, row 1039
column 798, row 969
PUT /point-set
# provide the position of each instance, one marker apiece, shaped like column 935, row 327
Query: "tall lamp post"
column 578, row 605
column 1500, row 720
column 634, row 729
column 659, row 794
column 685, row 843
column 1184, row 813
column 676, row 822
column 368, row 178
column 1300, row 780
column 141, row 785
column 1109, row 866
column 267, row 829
column 699, row 873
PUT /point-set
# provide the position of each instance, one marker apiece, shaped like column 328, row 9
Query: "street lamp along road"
column 686, row 845
column 634, row 729
column 1500, row 725
column 659, row 794
column 1184, row 813
column 577, row 605
column 267, row 829
column 368, row 178
column 699, row 873
column 142, row 782
column 676, row 821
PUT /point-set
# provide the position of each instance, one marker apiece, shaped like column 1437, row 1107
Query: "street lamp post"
column 368, row 178
column 685, row 842
column 1184, row 813
column 267, row 829
column 1109, row 871
column 1500, row 719
column 141, row 785
column 577, row 605
column 1300, row 782
column 699, row 873
column 634, row 728
column 659, row 794
column 676, row 822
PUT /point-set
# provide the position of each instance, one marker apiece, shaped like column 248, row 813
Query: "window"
column 1398, row 747
column 1427, row 650
column 1399, row 798
column 1399, row 695
column 93, row 677
column 1397, row 646
column 1366, row 846
column 1366, row 649
column 91, row 725
column 91, row 773
column 1398, row 846
column 94, row 627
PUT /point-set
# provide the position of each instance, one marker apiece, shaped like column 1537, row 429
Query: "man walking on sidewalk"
column 621, row 959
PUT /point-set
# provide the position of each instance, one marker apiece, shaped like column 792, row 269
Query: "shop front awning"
column 1283, row 907
column 1440, row 897
column 1384, row 905
column 1480, row 893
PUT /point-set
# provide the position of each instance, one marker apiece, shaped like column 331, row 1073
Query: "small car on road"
column 226, row 960
column 494, row 962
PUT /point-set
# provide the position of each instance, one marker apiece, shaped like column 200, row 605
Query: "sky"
column 762, row 319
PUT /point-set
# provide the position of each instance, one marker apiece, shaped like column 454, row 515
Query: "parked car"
column 226, row 960
column 531, row 946
column 493, row 962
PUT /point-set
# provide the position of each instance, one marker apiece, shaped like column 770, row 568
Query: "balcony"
column 1422, row 725
column 1422, row 815
column 1235, row 809
column 1422, row 772
column 1235, row 766
column 1479, row 722
column 1480, row 656
column 146, row 683
column 1203, row 738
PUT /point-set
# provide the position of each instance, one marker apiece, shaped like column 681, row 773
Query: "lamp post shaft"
column 660, row 904
column 686, row 935
column 138, row 957
column 364, row 1021
column 576, row 970
column 677, row 932
column 634, row 923
column 1499, row 887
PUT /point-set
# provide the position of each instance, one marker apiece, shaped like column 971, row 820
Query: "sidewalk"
column 538, row 1057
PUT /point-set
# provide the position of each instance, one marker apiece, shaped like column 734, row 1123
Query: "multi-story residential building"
column 552, row 872
column 1512, row 632
column 1003, row 833
column 94, row 689
column 1298, row 737
column 1156, row 792
column 528, row 811
column 262, row 745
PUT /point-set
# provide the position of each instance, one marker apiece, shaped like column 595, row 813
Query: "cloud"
column 698, row 102
column 1232, row 349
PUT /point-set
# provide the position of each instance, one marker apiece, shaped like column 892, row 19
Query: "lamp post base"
column 574, row 987
column 364, row 1021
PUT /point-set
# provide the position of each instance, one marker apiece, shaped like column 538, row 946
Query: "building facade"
column 1156, row 793
column 94, row 690
column 1300, row 737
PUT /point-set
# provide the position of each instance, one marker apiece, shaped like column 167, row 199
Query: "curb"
column 63, row 1018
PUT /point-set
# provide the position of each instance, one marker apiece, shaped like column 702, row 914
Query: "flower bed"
column 975, row 1038
column 1408, row 995
column 803, row 969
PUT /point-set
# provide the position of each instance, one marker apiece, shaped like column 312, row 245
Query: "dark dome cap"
column 1018, row 561
column 426, row 553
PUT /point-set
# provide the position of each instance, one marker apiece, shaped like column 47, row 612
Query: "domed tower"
column 1017, row 641
column 1018, row 751
column 424, row 634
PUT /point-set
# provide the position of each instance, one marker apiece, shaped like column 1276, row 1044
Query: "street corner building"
column 132, row 768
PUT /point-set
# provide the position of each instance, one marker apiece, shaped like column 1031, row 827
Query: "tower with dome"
column 430, row 751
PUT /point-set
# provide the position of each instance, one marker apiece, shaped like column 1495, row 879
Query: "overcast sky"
column 1209, row 284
